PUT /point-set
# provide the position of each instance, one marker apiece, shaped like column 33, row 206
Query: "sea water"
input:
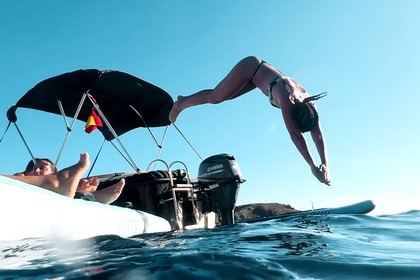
column 311, row 247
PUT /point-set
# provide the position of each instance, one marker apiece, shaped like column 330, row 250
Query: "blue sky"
column 364, row 53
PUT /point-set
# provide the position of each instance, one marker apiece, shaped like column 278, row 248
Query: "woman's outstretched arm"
column 319, row 141
column 300, row 142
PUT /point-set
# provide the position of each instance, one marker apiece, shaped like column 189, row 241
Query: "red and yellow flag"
column 93, row 121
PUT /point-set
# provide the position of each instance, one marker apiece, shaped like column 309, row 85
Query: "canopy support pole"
column 96, row 158
column 95, row 105
column 60, row 106
column 145, row 124
column 24, row 141
column 160, row 145
column 4, row 134
column 126, row 159
column 189, row 143
column 69, row 129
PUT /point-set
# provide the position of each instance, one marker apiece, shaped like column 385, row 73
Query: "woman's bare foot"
column 176, row 109
column 110, row 194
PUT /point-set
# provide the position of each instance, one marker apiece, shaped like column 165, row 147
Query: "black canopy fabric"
column 114, row 92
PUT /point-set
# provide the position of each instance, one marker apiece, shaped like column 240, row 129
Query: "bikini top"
column 270, row 89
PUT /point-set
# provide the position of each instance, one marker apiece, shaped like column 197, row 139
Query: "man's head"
column 44, row 166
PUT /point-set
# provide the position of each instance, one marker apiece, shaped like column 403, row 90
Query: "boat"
column 33, row 212
column 167, row 199
column 153, row 200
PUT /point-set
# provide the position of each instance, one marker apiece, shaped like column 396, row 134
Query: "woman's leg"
column 233, row 85
column 64, row 181
column 109, row 194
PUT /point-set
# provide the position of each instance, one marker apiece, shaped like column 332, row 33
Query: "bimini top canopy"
column 116, row 94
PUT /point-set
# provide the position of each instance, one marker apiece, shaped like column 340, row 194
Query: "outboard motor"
column 222, row 174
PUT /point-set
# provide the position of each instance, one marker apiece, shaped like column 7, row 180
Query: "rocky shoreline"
column 258, row 210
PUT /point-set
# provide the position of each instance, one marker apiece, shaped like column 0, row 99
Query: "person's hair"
column 31, row 164
column 304, row 113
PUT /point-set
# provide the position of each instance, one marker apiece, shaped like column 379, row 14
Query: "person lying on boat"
column 64, row 182
column 45, row 167
column 298, row 109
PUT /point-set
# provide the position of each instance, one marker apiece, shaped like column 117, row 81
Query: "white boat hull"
column 28, row 211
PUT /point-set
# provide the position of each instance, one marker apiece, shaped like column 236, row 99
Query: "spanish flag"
column 93, row 121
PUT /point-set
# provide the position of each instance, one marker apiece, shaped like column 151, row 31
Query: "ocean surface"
column 311, row 247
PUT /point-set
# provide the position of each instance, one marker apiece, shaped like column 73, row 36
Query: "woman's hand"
column 325, row 176
column 88, row 184
column 321, row 173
